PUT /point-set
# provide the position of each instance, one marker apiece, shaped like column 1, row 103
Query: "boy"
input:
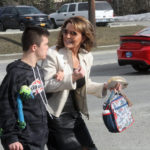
column 25, row 72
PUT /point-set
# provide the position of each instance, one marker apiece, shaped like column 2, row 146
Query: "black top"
column 70, row 105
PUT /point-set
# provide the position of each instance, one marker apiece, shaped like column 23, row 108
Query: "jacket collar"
column 83, row 51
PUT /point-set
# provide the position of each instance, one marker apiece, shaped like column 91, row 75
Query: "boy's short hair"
column 33, row 35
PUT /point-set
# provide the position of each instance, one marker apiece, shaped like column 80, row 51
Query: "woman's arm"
column 94, row 88
column 53, row 72
column 97, row 89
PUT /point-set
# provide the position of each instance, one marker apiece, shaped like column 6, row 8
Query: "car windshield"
column 28, row 10
column 144, row 32
column 102, row 6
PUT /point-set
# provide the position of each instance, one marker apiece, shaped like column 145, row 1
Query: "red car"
column 134, row 50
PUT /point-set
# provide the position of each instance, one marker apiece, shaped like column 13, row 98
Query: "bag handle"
column 109, row 99
column 111, row 96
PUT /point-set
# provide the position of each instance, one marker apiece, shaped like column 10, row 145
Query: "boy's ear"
column 34, row 47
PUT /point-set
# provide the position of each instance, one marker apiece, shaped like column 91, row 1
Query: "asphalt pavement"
column 137, row 136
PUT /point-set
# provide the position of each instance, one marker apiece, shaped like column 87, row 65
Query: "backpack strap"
column 112, row 94
column 106, row 104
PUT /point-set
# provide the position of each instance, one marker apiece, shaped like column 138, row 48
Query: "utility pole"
column 91, row 4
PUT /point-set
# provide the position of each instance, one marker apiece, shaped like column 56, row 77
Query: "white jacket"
column 62, row 60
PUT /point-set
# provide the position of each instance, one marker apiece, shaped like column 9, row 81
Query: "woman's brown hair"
column 82, row 25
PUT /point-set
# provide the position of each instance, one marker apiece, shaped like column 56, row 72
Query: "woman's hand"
column 78, row 74
column 117, row 87
column 59, row 76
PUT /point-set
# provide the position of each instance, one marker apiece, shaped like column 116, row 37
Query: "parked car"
column 13, row 17
column 103, row 12
column 134, row 50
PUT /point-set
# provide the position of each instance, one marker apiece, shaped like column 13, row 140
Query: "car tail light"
column 130, row 45
column 134, row 42
column 145, row 43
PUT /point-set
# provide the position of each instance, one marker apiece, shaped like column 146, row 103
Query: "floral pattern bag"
column 116, row 114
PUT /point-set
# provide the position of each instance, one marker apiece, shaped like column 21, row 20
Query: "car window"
column 102, row 6
column 82, row 6
column 13, row 11
column 144, row 32
column 7, row 10
column 63, row 8
column 28, row 10
column 72, row 7
column 1, row 9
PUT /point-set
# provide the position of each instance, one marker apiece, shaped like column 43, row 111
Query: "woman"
column 66, row 72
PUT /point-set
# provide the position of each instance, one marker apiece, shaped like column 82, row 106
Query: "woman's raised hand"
column 78, row 73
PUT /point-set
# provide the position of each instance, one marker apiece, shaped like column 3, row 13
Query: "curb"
column 120, row 24
column 10, row 56
column 19, row 32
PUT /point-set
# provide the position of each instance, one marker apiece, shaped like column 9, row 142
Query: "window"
column 83, row 6
column 28, row 10
column 7, row 10
column 1, row 10
column 63, row 8
column 144, row 32
column 102, row 6
column 13, row 11
column 72, row 7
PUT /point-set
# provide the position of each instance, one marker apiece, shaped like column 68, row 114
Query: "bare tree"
column 91, row 4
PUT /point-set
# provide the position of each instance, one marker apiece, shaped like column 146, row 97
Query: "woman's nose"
column 68, row 35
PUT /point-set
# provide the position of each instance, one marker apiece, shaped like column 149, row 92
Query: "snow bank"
column 138, row 17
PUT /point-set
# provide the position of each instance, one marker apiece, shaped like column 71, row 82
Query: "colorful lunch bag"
column 116, row 114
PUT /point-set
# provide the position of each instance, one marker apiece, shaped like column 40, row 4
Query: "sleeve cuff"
column 69, row 82
column 11, row 139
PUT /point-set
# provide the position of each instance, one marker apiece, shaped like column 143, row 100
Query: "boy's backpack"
column 116, row 113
